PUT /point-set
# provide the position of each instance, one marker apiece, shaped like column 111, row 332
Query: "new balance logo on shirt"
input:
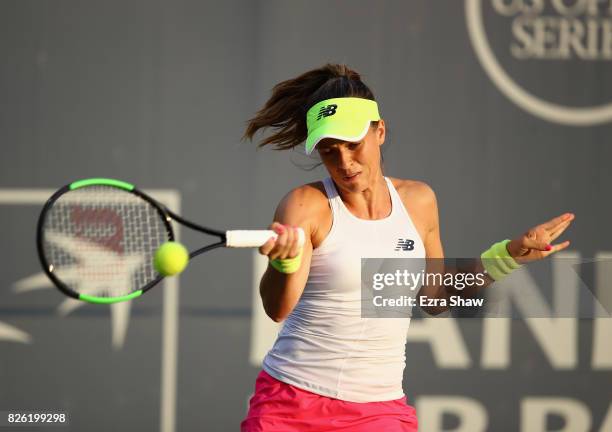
column 404, row 244
column 327, row 111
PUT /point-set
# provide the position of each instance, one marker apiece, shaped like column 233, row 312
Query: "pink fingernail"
column 548, row 247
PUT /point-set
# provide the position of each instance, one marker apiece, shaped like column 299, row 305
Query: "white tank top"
column 325, row 346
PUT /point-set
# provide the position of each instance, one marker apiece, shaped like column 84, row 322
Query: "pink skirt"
column 280, row 407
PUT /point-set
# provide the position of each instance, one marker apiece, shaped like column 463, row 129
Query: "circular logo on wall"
column 557, row 60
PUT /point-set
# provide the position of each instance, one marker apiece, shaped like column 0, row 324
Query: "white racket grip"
column 254, row 238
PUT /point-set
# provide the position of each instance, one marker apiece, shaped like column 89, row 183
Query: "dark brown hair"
column 286, row 109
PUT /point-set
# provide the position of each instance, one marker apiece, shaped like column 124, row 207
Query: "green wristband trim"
column 497, row 261
column 287, row 265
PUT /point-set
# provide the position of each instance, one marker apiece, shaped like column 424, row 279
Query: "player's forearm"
column 280, row 293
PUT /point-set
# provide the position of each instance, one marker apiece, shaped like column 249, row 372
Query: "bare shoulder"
column 415, row 191
column 420, row 201
column 302, row 205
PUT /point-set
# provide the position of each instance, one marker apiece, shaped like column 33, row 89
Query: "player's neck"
column 372, row 202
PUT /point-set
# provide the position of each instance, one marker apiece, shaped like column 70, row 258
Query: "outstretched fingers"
column 554, row 223
column 560, row 246
column 553, row 234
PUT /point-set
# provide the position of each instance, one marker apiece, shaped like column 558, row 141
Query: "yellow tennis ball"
column 170, row 258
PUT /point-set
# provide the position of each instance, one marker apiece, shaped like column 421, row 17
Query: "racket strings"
column 100, row 241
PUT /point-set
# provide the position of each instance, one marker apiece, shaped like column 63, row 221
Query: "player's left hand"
column 536, row 243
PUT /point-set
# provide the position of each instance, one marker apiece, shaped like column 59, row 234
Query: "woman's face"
column 354, row 166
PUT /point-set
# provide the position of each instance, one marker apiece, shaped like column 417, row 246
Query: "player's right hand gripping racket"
column 96, row 239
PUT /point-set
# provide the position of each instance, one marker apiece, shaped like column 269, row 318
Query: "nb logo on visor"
column 327, row 111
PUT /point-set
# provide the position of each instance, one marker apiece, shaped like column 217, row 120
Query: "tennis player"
column 330, row 369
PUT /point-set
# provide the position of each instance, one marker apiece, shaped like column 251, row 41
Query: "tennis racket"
column 96, row 239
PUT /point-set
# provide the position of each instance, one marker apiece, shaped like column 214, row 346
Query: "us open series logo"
column 550, row 39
